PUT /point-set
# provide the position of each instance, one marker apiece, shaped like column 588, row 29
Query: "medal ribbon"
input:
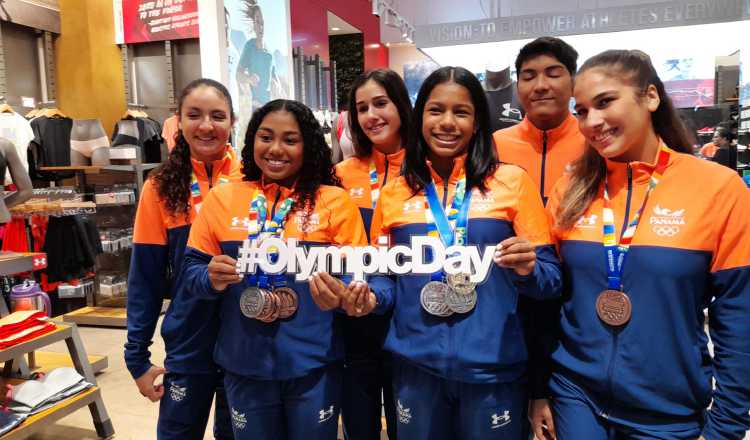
column 616, row 254
column 374, row 184
column 259, row 227
column 195, row 192
column 451, row 228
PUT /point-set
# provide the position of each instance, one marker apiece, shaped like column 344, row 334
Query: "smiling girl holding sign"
column 277, row 341
column 459, row 348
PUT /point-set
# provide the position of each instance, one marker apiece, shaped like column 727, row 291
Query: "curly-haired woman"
column 169, row 202
column 277, row 340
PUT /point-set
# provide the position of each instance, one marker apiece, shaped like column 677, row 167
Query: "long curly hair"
column 317, row 165
column 172, row 178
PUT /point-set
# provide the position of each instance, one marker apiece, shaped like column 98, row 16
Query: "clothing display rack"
column 315, row 84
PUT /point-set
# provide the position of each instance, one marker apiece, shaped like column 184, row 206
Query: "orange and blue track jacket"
column 159, row 240
column 485, row 345
column 287, row 348
column 691, row 251
column 544, row 154
column 355, row 178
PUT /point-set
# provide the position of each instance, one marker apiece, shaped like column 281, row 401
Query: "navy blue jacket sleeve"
column 545, row 282
column 147, row 284
column 729, row 315
column 195, row 273
column 384, row 288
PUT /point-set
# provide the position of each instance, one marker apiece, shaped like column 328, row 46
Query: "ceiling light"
column 374, row 46
column 335, row 29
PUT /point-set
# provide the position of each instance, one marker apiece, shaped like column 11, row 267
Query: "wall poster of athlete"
column 259, row 53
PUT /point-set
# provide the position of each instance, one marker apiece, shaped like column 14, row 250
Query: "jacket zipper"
column 209, row 172
column 544, row 166
column 273, row 209
column 385, row 176
column 615, row 334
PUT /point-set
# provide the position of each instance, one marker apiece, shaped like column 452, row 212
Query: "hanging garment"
column 16, row 129
column 141, row 132
column 50, row 147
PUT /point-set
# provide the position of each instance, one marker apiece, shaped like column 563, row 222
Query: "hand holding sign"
column 222, row 271
column 326, row 290
column 359, row 300
column 516, row 253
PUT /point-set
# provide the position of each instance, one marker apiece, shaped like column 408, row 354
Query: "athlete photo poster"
column 259, row 53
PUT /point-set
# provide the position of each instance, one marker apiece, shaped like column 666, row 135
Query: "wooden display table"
column 102, row 316
column 91, row 397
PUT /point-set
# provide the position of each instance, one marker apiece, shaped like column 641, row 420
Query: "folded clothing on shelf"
column 34, row 396
column 9, row 420
column 22, row 326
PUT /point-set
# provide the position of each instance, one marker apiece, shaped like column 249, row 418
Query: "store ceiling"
column 337, row 26
column 701, row 43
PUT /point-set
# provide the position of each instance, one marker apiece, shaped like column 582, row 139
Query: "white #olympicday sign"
column 364, row 260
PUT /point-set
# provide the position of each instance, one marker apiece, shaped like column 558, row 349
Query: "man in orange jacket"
column 547, row 140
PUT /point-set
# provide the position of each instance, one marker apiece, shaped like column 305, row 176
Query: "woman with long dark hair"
column 381, row 124
column 169, row 202
column 277, row 341
column 649, row 237
column 458, row 346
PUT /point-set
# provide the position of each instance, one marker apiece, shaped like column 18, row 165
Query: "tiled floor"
column 133, row 416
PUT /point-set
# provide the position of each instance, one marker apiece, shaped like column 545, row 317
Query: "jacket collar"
column 617, row 172
column 219, row 167
column 394, row 160
column 458, row 171
column 530, row 131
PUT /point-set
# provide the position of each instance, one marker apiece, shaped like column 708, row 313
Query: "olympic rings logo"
column 666, row 231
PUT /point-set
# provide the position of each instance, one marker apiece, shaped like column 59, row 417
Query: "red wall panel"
column 310, row 27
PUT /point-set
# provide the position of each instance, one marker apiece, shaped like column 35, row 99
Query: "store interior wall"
column 22, row 65
column 90, row 81
column 348, row 52
column 401, row 54
column 310, row 30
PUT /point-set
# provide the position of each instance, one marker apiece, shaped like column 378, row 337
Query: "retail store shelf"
column 99, row 169
column 39, row 421
column 82, row 363
column 99, row 316
column 17, row 262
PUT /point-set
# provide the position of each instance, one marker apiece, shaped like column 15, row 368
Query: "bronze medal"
column 288, row 301
column 270, row 307
column 613, row 307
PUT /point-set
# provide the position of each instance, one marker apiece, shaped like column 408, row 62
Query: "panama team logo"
column 239, row 421
column 404, row 414
column 498, row 421
column 177, row 393
column 325, row 415
column 666, row 222
column 307, row 223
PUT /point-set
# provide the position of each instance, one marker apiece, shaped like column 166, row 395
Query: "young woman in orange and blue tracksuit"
column 460, row 357
column 381, row 123
column 170, row 199
column 282, row 362
column 649, row 237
